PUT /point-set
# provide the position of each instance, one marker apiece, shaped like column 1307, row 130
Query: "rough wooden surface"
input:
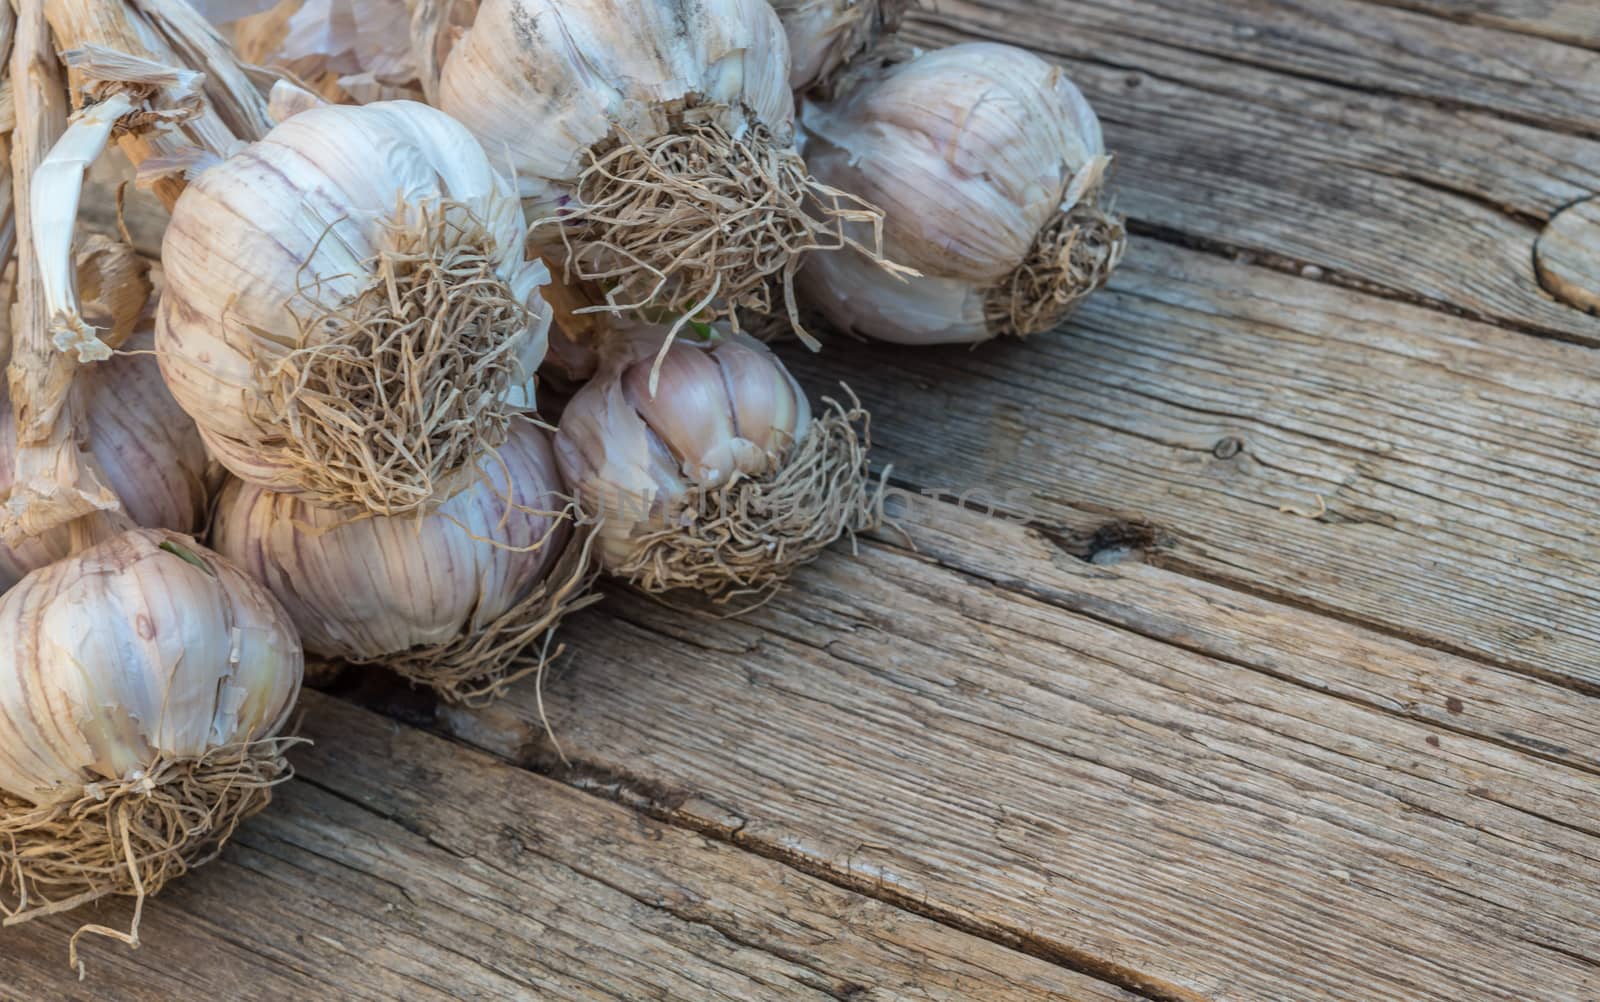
column 1285, row 690
column 1198, row 398
column 1573, row 21
column 400, row 866
column 1188, row 791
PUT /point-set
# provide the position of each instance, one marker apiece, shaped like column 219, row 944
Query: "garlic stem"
column 54, row 484
column 53, row 202
column 8, row 218
column 228, row 90
column 119, row 48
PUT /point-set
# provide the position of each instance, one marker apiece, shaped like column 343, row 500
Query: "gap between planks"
column 403, row 865
column 1571, row 22
column 1455, row 460
column 1462, row 696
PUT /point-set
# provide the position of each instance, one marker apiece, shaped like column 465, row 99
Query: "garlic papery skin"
column 825, row 35
column 348, row 310
column 990, row 167
column 459, row 599
column 143, row 686
column 347, row 51
column 146, row 447
column 653, row 144
column 722, row 481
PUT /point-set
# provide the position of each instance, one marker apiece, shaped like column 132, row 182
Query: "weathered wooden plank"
column 401, row 866
column 1574, row 21
column 1352, row 44
column 1430, row 202
column 1450, row 467
column 1215, row 829
column 1323, row 654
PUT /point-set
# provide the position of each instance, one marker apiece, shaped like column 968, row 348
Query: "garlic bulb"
column 990, row 167
column 825, row 35
column 348, row 313
column 143, row 683
column 653, row 144
column 453, row 600
column 147, row 448
column 720, row 481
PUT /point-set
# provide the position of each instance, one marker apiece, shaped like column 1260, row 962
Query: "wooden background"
column 1286, row 691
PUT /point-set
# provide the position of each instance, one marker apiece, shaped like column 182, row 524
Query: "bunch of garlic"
column 143, row 686
column 463, row 600
column 825, row 35
column 990, row 167
column 721, row 480
column 148, row 450
column 348, row 312
column 653, row 143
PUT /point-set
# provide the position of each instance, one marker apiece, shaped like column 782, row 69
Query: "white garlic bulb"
column 451, row 600
column 348, row 311
column 990, row 167
column 653, row 143
column 720, row 481
column 825, row 35
column 144, row 444
column 143, row 685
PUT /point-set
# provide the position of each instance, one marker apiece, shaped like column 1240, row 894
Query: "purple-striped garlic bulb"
column 462, row 599
column 991, row 169
column 723, row 480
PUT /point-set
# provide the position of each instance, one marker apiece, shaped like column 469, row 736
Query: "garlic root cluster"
column 653, row 142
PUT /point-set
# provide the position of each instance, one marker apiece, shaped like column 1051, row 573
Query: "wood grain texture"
column 1231, row 819
column 400, row 866
column 1432, row 202
column 1329, row 656
column 1351, row 44
column 1456, row 463
column 1573, row 21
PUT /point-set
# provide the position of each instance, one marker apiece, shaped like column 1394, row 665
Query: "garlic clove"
column 690, row 412
column 770, row 407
